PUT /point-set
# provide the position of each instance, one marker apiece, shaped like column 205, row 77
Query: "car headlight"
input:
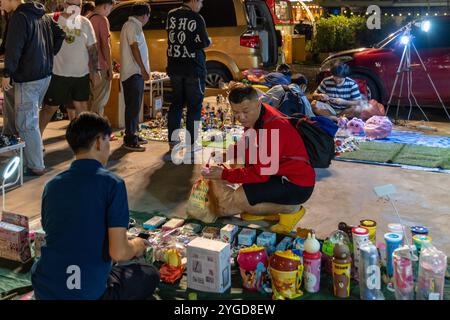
column 329, row 63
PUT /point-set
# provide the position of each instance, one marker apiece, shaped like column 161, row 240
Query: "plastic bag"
column 201, row 205
column 378, row 127
column 372, row 108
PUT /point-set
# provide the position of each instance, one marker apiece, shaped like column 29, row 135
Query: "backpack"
column 291, row 103
column 318, row 138
column 316, row 135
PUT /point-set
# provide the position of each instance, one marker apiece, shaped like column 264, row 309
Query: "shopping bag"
column 201, row 204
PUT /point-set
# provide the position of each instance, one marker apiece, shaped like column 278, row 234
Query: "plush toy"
column 378, row 127
column 342, row 122
column 355, row 126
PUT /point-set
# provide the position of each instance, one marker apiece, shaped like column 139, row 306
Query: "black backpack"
column 291, row 103
column 318, row 143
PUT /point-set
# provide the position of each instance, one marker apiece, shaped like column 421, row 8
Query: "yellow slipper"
column 254, row 217
column 288, row 221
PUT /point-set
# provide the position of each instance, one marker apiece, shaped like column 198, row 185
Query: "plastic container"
column 403, row 274
column 395, row 228
column 360, row 235
column 419, row 230
column 369, row 273
column 393, row 241
column 372, row 227
column 432, row 267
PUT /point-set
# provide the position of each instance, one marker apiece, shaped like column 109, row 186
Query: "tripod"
column 404, row 70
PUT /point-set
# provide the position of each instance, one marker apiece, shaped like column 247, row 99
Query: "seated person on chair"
column 337, row 95
column 277, row 177
column 85, row 217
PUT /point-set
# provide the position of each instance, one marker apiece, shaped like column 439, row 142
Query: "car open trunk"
column 261, row 24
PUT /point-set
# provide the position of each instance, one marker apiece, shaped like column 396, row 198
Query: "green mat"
column 402, row 154
column 10, row 279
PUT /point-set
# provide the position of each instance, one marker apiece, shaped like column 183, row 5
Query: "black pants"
column 133, row 92
column 187, row 92
column 136, row 281
column 277, row 190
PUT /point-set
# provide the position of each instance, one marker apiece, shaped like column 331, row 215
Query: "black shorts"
column 64, row 90
column 277, row 190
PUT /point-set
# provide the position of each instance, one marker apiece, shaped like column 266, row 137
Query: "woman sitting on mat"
column 277, row 177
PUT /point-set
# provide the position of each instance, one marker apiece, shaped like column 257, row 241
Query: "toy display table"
column 156, row 89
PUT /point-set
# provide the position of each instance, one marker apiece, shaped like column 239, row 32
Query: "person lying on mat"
column 337, row 95
column 277, row 177
column 85, row 217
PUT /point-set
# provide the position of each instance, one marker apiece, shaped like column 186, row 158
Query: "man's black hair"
column 284, row 69
column 100, row 2
column 340, row 70
column 140, row 9
column 299, row 79
column 87, row 6
column 84, row 130
column 240, row 92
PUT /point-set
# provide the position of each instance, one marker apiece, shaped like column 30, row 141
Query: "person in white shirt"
column 134, row 70
column 75, row 66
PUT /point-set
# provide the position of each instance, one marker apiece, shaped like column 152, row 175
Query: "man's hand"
column 339, row 101
column 6, row 84
column 324, row 98
column 219, row 157
column 215, row 173
column 109, row 74
column 145, row 75
column 140, row 245
column 96, row 77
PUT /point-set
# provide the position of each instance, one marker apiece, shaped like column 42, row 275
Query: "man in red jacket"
column 277, row 174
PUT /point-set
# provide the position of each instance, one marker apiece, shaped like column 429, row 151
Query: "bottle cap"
column 368, row 223
column 419, row 230
column 361, row 231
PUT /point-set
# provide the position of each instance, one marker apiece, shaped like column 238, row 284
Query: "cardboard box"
column 39, row 241
column 208, row 265
column 172, row 224
column 247, row 237
column 267, row 239
column 211, row 233
column 14, row 243
column 154, row 222
column 228, row 233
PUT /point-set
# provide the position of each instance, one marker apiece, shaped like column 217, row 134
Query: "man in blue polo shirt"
column 85, row 216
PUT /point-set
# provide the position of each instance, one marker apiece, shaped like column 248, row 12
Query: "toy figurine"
column 173, row 268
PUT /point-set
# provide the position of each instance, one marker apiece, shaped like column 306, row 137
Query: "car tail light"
column 250, row 41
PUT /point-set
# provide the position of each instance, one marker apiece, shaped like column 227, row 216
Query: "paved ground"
column 343, row 192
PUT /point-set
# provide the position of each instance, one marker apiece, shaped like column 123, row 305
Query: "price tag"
column 385, row 191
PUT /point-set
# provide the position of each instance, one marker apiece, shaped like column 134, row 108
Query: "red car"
column 378, row 65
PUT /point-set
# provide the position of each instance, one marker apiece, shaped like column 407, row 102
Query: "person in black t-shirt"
column 187, row 39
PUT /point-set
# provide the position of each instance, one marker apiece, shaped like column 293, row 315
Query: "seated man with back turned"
column 85, row 217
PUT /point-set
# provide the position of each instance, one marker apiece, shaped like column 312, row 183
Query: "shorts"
column 277, row 190
column 333, row 111
column 64, row 90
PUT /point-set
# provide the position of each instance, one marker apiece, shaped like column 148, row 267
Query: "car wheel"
column 373, row 92
column 216, row 76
